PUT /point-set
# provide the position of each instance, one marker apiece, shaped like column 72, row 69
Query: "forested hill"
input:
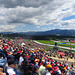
column 57, row 32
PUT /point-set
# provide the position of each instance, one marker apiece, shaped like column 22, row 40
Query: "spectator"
column 49, row 71
column 42, row 67
column 21, row 59
column 9, row 57
column 35, row 70
column 11, row 66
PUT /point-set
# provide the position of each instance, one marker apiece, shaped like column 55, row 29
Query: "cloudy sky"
column 36, row 15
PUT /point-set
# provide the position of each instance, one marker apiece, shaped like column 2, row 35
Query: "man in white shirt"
column 20, row 60
column 11, row 66
column 9, row 57
column 42, row 67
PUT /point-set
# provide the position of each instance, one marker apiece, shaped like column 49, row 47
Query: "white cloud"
column 7, row 28
column 38, row 27
column 36, row 12
column 31, row 31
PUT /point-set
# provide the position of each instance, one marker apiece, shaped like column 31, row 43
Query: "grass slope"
column 53, row 43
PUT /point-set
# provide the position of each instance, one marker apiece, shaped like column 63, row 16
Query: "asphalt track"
column 54, row 45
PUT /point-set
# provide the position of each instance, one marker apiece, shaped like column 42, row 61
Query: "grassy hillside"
column 53, row 43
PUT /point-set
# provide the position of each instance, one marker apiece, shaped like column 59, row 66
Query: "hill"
column 52, row 32
column 56, row 32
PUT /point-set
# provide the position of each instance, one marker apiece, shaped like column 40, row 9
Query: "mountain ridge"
column 57, row 32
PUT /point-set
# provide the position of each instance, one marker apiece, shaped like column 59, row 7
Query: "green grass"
column 66, row 45
column 53, row 43
column 27, row 40
column 46, row 42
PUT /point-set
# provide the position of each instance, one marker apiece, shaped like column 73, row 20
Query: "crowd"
column 31, row 59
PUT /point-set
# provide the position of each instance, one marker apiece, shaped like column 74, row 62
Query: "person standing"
column 72, row 64
column 11, row 66
column 42, row 67
column 35, row 70
column 49, row 71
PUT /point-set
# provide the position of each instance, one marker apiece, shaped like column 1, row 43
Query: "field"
column 68, row 44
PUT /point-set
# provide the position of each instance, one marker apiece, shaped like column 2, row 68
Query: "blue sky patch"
column 69, row 18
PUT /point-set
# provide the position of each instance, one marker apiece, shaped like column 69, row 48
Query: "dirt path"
column 69, row 60
column 61, row 60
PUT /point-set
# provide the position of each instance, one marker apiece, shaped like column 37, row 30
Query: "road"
column 54, row 45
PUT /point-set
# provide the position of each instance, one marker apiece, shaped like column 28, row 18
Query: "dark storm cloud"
column 25, row 3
